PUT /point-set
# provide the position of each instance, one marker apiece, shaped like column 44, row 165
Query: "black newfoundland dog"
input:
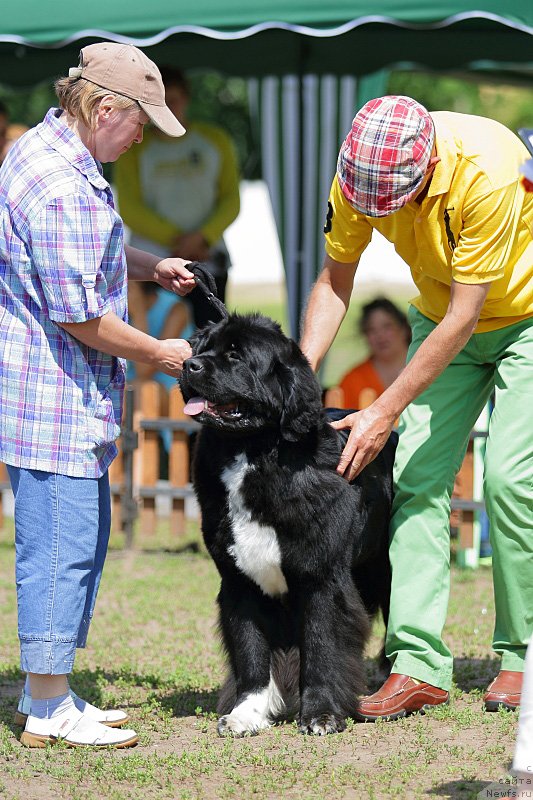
column 302, row 554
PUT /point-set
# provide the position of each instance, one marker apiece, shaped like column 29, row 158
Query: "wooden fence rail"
column 136, row 482
column 135, row 474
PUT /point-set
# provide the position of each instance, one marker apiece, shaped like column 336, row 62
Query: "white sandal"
column 111, row 717
column 75, row 730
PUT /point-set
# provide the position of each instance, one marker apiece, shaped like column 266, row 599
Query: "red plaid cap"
column 384, row 158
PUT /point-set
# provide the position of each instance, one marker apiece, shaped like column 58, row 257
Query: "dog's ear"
column 197, row 339
column 301, row 395
column 193, row 340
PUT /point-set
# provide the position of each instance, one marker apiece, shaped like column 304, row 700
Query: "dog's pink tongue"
column 194, row 406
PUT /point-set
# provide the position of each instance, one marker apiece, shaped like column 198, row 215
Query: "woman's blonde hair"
column 79, row 98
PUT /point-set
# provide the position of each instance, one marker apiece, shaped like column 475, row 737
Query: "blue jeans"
column 62, row 527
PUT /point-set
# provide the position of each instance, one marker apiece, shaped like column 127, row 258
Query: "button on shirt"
column 61, row 260
column 474, row 225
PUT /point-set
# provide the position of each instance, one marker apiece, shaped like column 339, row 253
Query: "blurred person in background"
column 178, row 196
column 387, row 335
column 14, row 131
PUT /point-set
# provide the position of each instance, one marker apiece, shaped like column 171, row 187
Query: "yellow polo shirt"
column 474, row 226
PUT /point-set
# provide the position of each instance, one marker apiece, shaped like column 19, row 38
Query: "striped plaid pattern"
column 384, row 158
column 61, row 260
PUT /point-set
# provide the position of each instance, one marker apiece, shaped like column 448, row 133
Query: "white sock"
column 52, row 707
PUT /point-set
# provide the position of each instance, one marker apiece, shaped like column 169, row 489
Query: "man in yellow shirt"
column 444, row 188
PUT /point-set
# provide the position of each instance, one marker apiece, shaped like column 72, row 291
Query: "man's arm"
column 326, row 308
column 371, row 427
column 170, row 273
column 109, row 334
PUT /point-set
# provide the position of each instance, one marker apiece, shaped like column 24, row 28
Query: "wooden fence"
column 135, row 474
column 136, row 481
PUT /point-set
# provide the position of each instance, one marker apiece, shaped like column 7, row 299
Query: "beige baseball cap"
column 125, row 69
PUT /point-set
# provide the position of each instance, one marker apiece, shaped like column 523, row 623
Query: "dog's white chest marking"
column 256, row 548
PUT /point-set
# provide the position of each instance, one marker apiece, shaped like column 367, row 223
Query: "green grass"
column 153, row 650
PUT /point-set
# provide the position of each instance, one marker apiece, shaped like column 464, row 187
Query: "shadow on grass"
column 7, row 545
column 189, row 703
column 143, row 548
column 459, row 790
column 475, row 673
column 92, row 685
column 471, row 674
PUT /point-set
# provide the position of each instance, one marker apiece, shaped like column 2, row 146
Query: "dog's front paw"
column 322, row 725
column 233, row 725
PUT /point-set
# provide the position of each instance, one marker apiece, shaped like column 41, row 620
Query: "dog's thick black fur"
column 302, row 554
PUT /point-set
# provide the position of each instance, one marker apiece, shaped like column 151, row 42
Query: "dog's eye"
column 233, row 355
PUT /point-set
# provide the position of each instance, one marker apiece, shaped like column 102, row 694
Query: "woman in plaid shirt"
column 63, row 324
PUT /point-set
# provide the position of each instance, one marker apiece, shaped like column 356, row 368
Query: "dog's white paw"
column 322, row 725
column 248, row 717
column 233, row 725
column 257, row 711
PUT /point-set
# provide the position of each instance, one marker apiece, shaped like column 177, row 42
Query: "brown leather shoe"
column 504, row 691
column 400, row 696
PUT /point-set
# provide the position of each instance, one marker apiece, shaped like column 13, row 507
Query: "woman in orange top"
column 388, row 334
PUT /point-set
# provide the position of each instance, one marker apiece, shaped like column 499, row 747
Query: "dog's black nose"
column 193, row 365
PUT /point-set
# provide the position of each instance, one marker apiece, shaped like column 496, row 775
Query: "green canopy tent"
column 311, row 64
column 271, row 36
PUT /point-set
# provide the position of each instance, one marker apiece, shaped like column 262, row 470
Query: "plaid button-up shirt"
column 61, row 260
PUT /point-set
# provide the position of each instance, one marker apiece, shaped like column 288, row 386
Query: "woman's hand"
column 172, row 274
column 171, row 355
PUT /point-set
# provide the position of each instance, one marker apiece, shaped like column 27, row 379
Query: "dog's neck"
column 272, row 444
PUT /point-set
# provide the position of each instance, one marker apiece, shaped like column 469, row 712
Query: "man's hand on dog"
column 370, row 430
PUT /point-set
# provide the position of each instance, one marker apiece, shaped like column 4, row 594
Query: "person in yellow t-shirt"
column 444, row 188
column 178, row 197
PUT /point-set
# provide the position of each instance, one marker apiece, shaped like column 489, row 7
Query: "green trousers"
column 434, row 432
